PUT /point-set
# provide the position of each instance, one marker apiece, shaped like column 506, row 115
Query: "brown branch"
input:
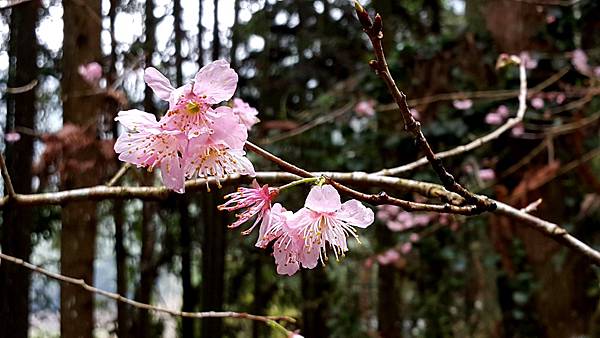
column 10, row 191
column 378, row 199
column 160, row 193
column 269, row 320
column 122, row 171
column 374, row 30
column 510, row 123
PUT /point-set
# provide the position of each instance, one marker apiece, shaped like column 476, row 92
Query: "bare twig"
column 122, row 171
column 22, row 89
column 10, row 3
column 510, row 123
column 269, row 320
column 10, row 191
column 532, row 206
column 378, row 199
column 374, row 30
column 310, row 125
column 549, row 229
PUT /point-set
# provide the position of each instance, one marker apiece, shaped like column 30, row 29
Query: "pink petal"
column 135, row 119
column 172, row 174
column 323, row 199
column 355, row 213
column 158, row 82
column 217, row 81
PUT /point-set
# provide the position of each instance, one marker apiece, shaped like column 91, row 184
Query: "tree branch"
column 374, row 30
column 10, row 191
column 269, row 320
column 510, row 123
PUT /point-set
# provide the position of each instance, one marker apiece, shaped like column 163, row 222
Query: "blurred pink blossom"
column 388, row 257
column 597, row 71
column 550, row 19
column 91, row 72
column 528, row 61
column 560, row 98
column 518, row 130
column 365, row 108
column 415, row 113
column 487, row 174
column 462, row 104
column 245, row 112
column 414, row 237
column 12, row 137
column 580, row 61
column 406, row 248
column 494, row 119
column 537, row 103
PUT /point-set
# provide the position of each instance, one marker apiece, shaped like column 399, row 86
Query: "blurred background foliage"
column 304, row 66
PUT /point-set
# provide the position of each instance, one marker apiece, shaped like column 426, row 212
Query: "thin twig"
column 510, row 123
column 374, row 30
column 269, row 320
column 10, row 191
column 22, row 89
column 378, row 199
column 122, row 171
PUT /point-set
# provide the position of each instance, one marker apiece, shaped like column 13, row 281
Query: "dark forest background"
column 304, row 62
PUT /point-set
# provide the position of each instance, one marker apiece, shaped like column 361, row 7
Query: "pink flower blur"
column 365, row 108
column 518, row 130
column 462, row 104
column 388, row 257
column 245, row 112
column 537, row 103
column 487, row 174
column 193, row 139
column 12, row 137
column 91, row 72
column 255, row 201
column 580, row 61
column 528, row 61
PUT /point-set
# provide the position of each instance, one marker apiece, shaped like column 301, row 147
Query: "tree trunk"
column 216, row 43
column 78, row 235
column 185, row 242
column 314, row 286
column 17, row 222
column 178, row 39
column 388, row 309
column 213, row 263
column 235, row 40
column 200, row 49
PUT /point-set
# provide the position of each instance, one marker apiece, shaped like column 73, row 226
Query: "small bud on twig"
column 363, row 16
column 378, row 26
column 374, row 65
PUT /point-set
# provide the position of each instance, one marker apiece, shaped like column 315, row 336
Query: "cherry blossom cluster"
column 195, row 138
column 300, row 238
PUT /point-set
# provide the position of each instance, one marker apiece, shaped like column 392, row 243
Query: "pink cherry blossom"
column 91, row 72
column 414, row 237
column 220, row 152
column 537, row 103
column 597, row 71
column 245, row 112
column 190, row 104
column 146, row 145
column 255, row 201
column 324, row 219
column 365, row 108
column 288, row 250
column 462, row 104
column 12, row 137
column 560, row 98
column 273, row 225
column 415, row 113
